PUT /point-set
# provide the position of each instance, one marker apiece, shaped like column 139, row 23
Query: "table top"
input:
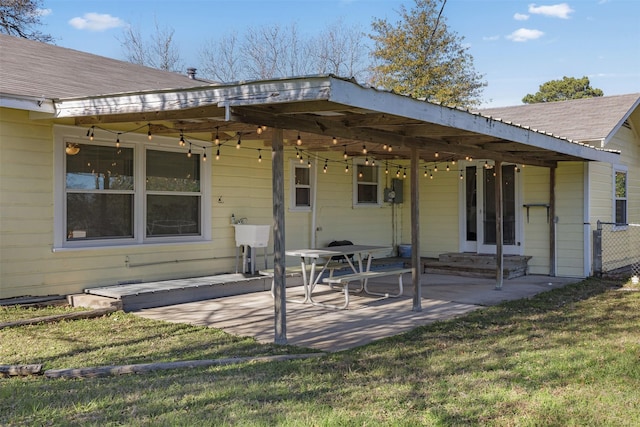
column 336, row 250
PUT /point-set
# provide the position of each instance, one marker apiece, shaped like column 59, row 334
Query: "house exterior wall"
column 615, row 247
column 537, row 227
column 570, row 219
column 240, row 185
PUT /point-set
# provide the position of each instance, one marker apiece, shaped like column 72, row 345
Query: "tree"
column 562, row 90
column 421, row 57
column 19, row 17
column 159, row 51
column 273, row 51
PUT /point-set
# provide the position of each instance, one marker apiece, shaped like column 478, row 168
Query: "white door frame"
column 478, row 246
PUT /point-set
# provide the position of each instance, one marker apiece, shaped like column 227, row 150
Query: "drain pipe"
column 314, row 210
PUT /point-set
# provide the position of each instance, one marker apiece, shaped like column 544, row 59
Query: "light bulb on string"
column 425, row 172
column 346, row 169
column 259, row 130
column 448, row 167
column 461, row 176
column 217, row 138
column 189, row 152
column 299, row 140
column 335, row 140
column 386, row 168
column 324, row 169
column 239, row 141
column 373, row 162
column 149, row 136
column 435, row 168
column 297, row 153
column 364, row 149
column 345, row 155
column 390, row 149
column 398, row 173
column 204, row 154
column 384, row 146
column 181, row 141
column 309, row 161
column 404, row 174
column 259, row 154
column 91, row 136
column 366, row 161
column 118, row 141
column 218, row 154
column 436, row 155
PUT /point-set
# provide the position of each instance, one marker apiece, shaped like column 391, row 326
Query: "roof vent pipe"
column 191, row 72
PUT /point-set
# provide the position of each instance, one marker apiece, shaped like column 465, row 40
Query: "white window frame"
column 620, row 169
column 139, row 143
column 295, row 164
column 356, row 204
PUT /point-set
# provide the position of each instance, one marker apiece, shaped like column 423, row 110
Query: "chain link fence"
column 616, row 250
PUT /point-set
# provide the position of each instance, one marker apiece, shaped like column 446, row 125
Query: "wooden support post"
column 279, row 288
column 416, row 264
column 499, row 225
column 552, row 221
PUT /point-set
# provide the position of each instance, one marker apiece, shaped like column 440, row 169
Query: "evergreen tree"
column 421, row 57
column 562, row 90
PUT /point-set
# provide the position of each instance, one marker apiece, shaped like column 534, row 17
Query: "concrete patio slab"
column 367, row 319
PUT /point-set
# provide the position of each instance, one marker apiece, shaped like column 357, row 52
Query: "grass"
column 569, row 356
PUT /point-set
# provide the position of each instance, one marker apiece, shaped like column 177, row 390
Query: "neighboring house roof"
column 589, row 119
column 34, row 69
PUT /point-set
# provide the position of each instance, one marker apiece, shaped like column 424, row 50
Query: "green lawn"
column 569, row 356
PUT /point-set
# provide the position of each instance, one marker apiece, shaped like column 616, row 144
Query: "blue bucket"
column 404, row 251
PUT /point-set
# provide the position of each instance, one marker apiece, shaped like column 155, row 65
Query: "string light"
column 204, row 155
column 346, row 169
column 309, row 161
column 404, row 174
column 218, row 154
column 447, row 167
column 435, row 167
column 91, row 135
column 335, row 140
column 259, row 130
column 217, row 138
column 299, row 141
column 461, row 176
column 398, row 173
column 390, row 149
column 366, row 161
column 436, row 155
column 189, row 152
column 345, row 155
column 373, row 162
column 181, row 142
column 425, row 172
column 386, row 168
column 239, row 141
column 324, row 169
column 149, row 136
column 118, row 141
column 259, row 154
column 364, row 149
column 384, row 146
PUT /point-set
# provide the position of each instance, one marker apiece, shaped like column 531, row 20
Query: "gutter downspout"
column 314, row 209
column 586, row 251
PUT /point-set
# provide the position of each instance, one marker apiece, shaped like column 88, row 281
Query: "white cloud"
column 561, row 10
column 96, row 22
column 525, row 34
column 43, row 12
column 520, row 17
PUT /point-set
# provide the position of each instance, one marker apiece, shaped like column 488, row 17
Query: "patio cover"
column 324, row 109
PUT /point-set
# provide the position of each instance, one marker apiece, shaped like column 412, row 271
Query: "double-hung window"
column 136, row 192
column 620, row 196
column 301, row 186
column 366, row 184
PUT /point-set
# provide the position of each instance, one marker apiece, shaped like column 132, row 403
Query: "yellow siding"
column 537, row 228
column 569, row 211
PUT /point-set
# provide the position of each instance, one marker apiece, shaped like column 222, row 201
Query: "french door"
column 479, row 209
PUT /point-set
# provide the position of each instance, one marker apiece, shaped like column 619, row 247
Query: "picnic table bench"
column 344, row 281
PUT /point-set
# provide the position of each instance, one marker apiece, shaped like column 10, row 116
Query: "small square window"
column 301, row 187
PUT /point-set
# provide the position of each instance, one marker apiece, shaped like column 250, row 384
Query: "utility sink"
column 256, row 236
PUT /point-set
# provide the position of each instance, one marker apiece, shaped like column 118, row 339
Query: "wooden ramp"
column 475, row 265
column 136, row 296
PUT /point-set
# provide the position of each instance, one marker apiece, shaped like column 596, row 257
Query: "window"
column 366, row 184
column 620, row 199
column 300, row 187
column 173, row 194
column 137, row 193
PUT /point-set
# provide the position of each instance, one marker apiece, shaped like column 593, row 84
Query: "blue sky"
column 517, row 45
